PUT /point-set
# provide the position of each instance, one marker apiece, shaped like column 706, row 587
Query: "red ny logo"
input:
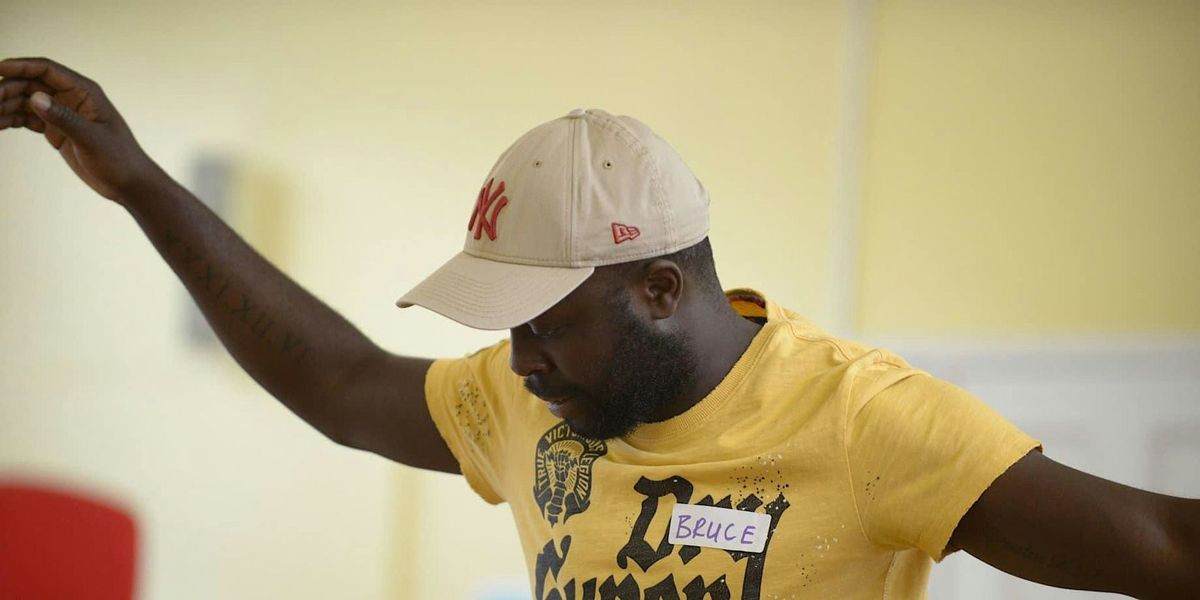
column 624, row 233
column 480, row 221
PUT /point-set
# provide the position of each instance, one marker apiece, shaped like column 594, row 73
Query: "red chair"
column 57, row 544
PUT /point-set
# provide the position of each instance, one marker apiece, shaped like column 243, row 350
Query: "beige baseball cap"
column 582, row 191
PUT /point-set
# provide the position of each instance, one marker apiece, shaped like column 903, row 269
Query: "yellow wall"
column 1027, row 169
column 1033, row 168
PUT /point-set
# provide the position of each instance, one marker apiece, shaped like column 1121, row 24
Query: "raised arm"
column 297, row 348
column 1052, row 524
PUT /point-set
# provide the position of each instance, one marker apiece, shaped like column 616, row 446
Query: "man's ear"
column 661, row 287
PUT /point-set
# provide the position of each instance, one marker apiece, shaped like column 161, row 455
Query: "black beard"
column 647, row 373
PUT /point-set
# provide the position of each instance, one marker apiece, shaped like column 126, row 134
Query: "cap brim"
column 488, row 294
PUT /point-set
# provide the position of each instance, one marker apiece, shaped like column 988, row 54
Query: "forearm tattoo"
column 211, row 283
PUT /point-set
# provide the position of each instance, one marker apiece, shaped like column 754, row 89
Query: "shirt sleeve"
column 921, row 451
column 465, row 398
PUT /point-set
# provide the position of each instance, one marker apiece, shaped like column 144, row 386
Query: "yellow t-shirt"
column 864, row 464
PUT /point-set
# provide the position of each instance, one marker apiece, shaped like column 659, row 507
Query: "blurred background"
column 1005, row 192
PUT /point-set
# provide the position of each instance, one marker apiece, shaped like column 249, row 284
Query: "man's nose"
column 526, row 357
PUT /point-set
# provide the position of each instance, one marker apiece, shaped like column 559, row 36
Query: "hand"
column 77, row 119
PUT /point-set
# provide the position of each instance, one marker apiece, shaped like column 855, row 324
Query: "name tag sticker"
column 715, row 527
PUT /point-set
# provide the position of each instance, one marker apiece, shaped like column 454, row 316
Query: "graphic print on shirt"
column 563, row 467
column 560, row 453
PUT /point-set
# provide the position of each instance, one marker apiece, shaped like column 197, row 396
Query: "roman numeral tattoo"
column 239, row 304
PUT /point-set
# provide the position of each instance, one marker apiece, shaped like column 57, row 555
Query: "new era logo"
column 624, row 233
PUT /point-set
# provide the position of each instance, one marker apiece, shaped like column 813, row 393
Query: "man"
column 654, row 436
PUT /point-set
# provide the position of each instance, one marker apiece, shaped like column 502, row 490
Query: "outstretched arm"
column 1052, row 524
column 297, row 348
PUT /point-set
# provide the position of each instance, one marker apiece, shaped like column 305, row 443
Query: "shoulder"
column 869, row 367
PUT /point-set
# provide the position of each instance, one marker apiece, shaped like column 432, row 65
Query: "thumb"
column 61, row 117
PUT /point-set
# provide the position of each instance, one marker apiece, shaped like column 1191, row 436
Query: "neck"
column 719, row 337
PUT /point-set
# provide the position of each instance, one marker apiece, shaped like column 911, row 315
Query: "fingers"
column 28, row 121
column 45, row 70
column 62, row 118
column 28, row 76
column 14, row 104
column 44, row 96
column 11, row 87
